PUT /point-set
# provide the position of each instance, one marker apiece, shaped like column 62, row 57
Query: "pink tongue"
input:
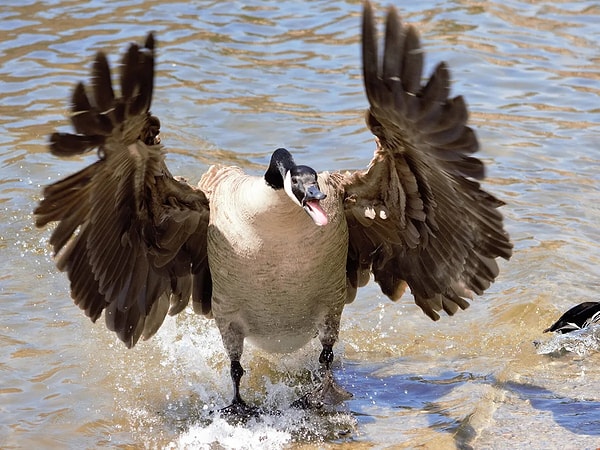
column 316, row 212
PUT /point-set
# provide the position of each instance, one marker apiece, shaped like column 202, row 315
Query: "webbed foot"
column 239, row 412
column 328, row 393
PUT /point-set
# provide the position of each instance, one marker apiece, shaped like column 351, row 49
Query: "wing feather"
column 440, row 233
column 130, row 237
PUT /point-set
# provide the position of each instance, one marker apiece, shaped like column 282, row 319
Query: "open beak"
column 311, row 204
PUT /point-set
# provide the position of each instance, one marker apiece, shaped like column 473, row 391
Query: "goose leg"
column 237, row 372
column 328, row 392
column 238, row 410
column 233, row 339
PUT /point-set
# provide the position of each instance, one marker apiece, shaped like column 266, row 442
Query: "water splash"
column 190, row 349
column 258, row 436
column 581, row 342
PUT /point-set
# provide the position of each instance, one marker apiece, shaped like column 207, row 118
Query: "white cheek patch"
column 287, row 187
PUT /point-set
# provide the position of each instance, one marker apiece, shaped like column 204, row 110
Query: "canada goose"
column 274, row 258
column 578, row 317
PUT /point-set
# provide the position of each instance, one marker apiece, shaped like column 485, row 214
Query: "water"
column 235, row 81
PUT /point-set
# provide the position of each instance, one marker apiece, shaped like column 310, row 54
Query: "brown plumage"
column 139, row 240
column 138, row 243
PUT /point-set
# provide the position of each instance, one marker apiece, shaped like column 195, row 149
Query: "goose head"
column 299, row 183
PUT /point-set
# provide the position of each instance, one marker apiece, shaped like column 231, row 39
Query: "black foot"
column 328, row 393
column 308, row 401
column 239, row 412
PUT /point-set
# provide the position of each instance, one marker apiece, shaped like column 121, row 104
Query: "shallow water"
column 235, row 81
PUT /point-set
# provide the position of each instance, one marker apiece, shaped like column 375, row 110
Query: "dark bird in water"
column 275, row 258
column 576, row 318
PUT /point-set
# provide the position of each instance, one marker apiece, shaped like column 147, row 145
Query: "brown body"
column 267, row 286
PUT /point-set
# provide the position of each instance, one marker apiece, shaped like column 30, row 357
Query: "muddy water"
column 235, row 81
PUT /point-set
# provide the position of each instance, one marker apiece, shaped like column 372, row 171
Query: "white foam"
column 581, row 342
column 191, row 348
column 250, row 437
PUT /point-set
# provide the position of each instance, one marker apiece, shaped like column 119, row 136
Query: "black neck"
column 281, row 163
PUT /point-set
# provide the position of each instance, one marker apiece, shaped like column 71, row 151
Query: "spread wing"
column 131, row 238
column 418, row 215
